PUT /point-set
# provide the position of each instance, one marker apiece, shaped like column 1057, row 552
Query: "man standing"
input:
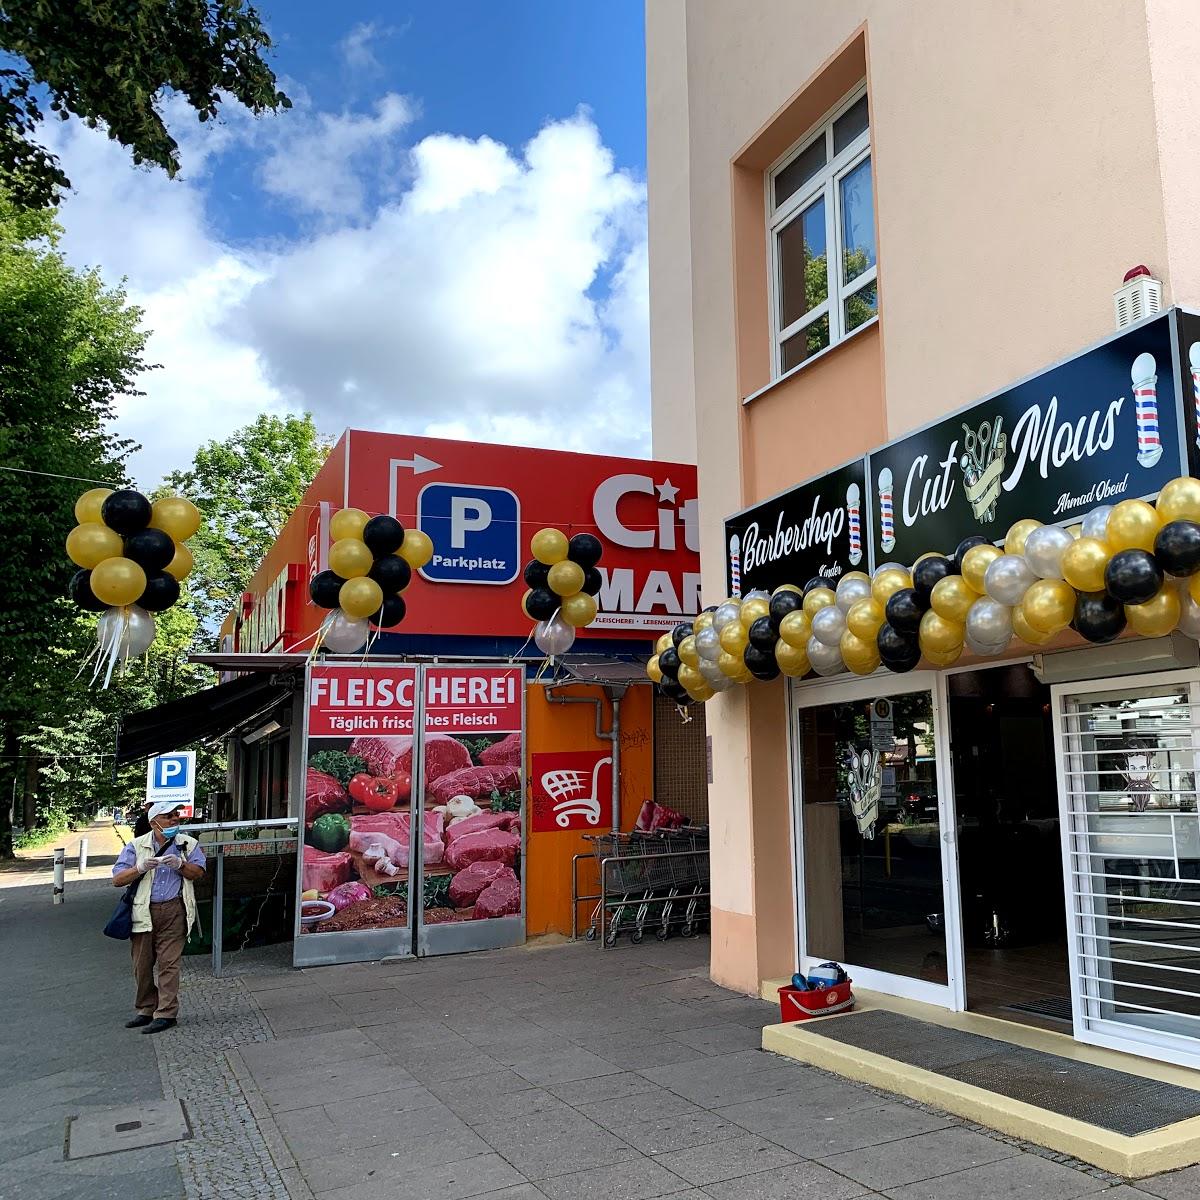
column 165, row 861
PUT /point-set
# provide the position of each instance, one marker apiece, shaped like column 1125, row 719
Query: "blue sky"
column 446, row 235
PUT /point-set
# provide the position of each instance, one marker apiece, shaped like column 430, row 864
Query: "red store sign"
column 346, row 701
column 571, row 790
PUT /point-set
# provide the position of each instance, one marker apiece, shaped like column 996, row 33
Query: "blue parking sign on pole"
column 172, row 777
column 475, row 530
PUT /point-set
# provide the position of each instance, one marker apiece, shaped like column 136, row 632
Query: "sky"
column 446, row 235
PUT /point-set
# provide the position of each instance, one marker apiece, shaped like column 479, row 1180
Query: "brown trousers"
column 162, row 947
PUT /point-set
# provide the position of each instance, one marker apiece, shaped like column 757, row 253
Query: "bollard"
column 60, row 873
column 83, row 849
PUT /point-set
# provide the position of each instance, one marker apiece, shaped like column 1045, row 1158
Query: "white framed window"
column 821, row 229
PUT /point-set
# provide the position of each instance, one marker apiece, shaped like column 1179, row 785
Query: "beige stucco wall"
column 1025, row 156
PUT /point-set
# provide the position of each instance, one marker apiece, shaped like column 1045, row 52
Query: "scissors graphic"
column 981, row 444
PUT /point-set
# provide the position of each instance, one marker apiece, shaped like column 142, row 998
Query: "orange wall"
column 551, row 727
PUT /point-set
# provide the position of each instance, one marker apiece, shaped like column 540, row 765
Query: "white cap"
column 1143, row 367
column 1194, row 354
column 162, row 806
column 852, row 494
column 885, row 479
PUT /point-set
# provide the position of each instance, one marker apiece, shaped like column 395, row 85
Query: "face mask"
column 170, row 831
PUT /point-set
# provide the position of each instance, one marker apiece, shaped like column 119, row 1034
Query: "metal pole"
column 60, row 873
column 218, row 912
column 83, row 853
column 614, row 735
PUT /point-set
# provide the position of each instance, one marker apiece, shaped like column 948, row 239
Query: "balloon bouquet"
column 371, row 562
column 132, row 558
column 563, row 584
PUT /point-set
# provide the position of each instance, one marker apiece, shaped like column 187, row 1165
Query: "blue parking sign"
column 172, row 777
column 475, row 530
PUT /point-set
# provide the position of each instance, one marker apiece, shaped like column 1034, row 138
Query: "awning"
column 202, row 716
column 608, row 672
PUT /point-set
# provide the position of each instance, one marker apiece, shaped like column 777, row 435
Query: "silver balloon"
column 850, row 591
column 714, row 676
column 828, row 625
column 553, row 637
column 1008, row 578
column 1095, row 524
column 345, row 635
column 724, row 614
column 125, row 632
column 1044, row 550
column 708, row 644
column 986, row 649
column 757, row 594
column 890, row 566
column 1189, row 615
column 825, row 659
column 988, row 624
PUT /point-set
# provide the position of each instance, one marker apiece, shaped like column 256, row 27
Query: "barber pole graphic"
column 854, row 523
column 1194, row 360
column 887, row 522
column 735, row 566
column 1145, row 398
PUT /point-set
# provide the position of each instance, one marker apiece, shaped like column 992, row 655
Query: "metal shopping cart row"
column 654, row 881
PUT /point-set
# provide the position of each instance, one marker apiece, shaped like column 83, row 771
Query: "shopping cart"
column 624, row 883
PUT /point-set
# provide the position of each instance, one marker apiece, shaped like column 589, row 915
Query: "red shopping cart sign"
column 571, row 790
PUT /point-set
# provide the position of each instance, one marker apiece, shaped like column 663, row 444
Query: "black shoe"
column 159, row 1024
column 138, row 1021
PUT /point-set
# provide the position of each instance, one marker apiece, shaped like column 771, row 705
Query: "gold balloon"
column 952, row 598
column 565, row 578
column 348, row 523
column 654, row 670
column 1049, row 605
column 975, row 564
column 1026, row 632
column 664, row 643
column 350, row 559
column 860, row 655
column 180, row 567
column 1076, row 531
column 734, row 638
column 862, row 575
column 579, row 610
column 1179, row 500
column 943, row 658
column 176, row 516
column 91, row 543
column 1083, row 563
column 938, row 634
column 1014, row 541
column 525, row 604
column 753, row 609
column 1193, row 585
column 549, row 546
column 796, row 628
column 792, row 659
column 818, row 599
column 887, row 583
column 788, row 587
column 88, row 506
column 702, row 694
column 1158, row 616
column 416, row 549
column 360, row 596
column 118, row 581
column 1132, row 525
column 689, row 677
column 688, row 653
column 702, row 622
column 731, row 665
column 865, row 618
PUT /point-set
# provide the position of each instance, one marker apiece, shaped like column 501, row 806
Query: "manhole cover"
column 126, row 1127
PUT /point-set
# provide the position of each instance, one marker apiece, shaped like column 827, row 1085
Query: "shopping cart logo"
column 570, row 789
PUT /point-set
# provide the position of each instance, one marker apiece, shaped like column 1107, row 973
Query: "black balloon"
column 536, row 574
column 1099, row 617
column 762, row 635
column 151, row 549
column 585, row 549
column 669, row 662
column 928, row 573
column 162, row 590
column 674, row 690
column 783, row 603
column 709, row 608
column 966, row 544
column 682, row 630
column 1132, row 576
column 126, row 511
column 592, row 581
column 759, row 663
column 541, row 604
column 817, row 581
column 904, row 610
column 392, row 574
column 80, row 590
column 324, row 589
column 391, row 612
column 1177, row 548
column 898, row 651
column 383, row 535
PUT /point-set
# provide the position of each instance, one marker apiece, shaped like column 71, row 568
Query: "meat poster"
column 474, row 757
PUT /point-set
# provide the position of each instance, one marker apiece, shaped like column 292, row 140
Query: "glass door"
column 1127, row 761
column 877, row 877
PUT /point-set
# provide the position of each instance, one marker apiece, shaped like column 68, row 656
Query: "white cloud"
column 499, row 294
column 355, row 48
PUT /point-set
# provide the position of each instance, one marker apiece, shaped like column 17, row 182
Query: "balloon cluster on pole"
column 132, row 558
column 563, row 582
column 371, row 562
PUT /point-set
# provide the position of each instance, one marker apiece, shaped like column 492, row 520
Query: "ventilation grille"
column 1136, row 300
column 680, row 760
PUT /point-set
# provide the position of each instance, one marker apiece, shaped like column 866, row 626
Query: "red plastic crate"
column 795, row 1005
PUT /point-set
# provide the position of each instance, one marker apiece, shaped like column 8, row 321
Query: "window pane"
column 849, row 125
column 862, row 306
column 800, row 170
column 858, row 222
column 806, row 343
column 803, row 267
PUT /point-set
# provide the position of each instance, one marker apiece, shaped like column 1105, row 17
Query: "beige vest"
column 143, row 848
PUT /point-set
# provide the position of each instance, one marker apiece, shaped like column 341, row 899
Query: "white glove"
column 171, row 860
column 149, row 864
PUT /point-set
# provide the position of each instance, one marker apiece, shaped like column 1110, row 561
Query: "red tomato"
column 403, row 782
column 378, row 795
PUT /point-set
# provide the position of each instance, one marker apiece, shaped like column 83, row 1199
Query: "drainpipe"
column 611, row 735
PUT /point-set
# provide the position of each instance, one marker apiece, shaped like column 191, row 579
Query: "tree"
column 246, row 487
column 110, row 63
